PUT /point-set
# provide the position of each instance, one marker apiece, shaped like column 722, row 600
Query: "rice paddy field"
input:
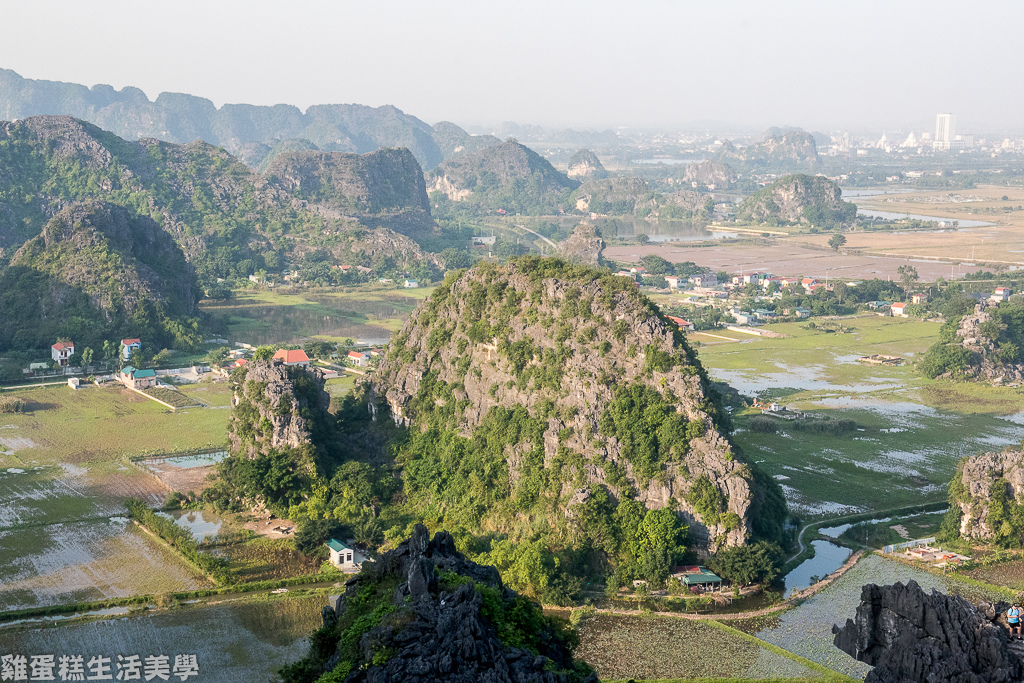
column 84, row 561
column 242, row 642
column 621, row 647
column 910, row 431
column 806, row 630
column 370, row 313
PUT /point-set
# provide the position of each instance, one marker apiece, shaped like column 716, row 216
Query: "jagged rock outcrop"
column 423, row 613
column 981, row 334
column 584, row 165
column 710, row 173
column 910, row 636
column 267, row 400
column 978, row 481
column 579, row 350
column 584, row 246
column 798, row 199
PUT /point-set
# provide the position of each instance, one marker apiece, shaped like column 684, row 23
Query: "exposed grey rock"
column 984, row 362
column 910, row 636
column 584, row 165
column 975, row 478
column 584, row 246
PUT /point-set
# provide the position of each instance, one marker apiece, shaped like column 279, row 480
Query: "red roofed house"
column 61, row 351
column 360, row 360
column 293, row 357
column 129, row 346
column 899, row 309
column 237, row 364
column 684, row 325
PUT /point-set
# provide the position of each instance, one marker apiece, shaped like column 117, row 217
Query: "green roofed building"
column 343, row 557
column 697, row 576
column 137, row 379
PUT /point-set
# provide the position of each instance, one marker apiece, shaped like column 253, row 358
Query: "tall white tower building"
column 945, row 131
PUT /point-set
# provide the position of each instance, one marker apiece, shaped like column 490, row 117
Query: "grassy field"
column 101, row 424
column 910, row 431
column 369, row 313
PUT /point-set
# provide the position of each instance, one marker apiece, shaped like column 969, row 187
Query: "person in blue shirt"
column 1013, row 619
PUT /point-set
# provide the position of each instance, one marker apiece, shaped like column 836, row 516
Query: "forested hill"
column 546, row 414
column 509, row 176
column 226, row 219
column 246, row 130
column 799, row 198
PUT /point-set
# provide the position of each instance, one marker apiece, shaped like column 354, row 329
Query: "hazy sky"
column 816, row 64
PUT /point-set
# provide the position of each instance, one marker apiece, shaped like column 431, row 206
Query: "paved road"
column 537, row 234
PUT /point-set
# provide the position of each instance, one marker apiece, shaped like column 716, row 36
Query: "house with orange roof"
column 130, row 346
column 293, row 357
column 62, row 351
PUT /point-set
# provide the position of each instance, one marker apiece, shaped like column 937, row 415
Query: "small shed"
column 697, row 576
column 343, row 557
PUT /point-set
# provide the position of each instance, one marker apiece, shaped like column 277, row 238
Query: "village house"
column 684, row 325
column 293, row 357
column 137, row 379
column 673, row 281
column 697, row 578
column 808, row 282
column 412, row 284
column 879, row 305
column 899, row 309
column 130, row 346
column 360, row 360
column 918, row 299
column 798, row 312
column 61, row 352
column 1000, row 294
column 343, row 557
column 743, row 318
column 705, row 280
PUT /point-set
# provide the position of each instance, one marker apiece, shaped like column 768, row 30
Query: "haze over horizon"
column 738, row 64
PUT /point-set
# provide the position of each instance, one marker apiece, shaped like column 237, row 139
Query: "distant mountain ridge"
column 247, row 131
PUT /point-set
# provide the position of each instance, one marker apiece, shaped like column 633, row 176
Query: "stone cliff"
column 584, row 165
column 275, row 406
column 710, row 173
column 990, row 340
column 910, row 636
column 584, row 246
column 984, row 482
column 591, row 358
column 793, row 150
column 423, row 613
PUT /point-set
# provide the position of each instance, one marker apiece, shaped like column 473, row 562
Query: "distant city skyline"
column 655, row 64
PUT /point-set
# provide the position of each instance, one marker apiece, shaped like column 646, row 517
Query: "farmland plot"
column 652, row 648
column 233, row 643
column 85, row 561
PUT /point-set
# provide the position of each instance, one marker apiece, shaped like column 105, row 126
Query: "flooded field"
column 234, row 643
column 86, row 561
column 807, row 629
column 910, row 432
column 659, row 647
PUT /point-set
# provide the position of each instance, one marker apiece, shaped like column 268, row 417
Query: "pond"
column 806, row 630
column 194, row 520
column 897, row 215
column 828, row 557
column 244, row 642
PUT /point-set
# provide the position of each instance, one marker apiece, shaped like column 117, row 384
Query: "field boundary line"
column 829, row 674
column 153, row 398
column 174, row 551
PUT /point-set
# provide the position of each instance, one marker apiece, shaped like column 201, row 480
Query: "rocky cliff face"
column 423, row 613
column 581, row 351
column 975, row 485
column 798, row 199
column 584, row 246
column 584, row 165
column 269, row 400
column 454, row 140
column 710, row 172
column 980, row 334
column 910, row 636
column 619, row 195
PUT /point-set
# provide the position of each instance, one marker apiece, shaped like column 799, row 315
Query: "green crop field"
column 910, row 432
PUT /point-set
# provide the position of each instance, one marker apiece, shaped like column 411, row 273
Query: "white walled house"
column 343, row 557
column 61, row 352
